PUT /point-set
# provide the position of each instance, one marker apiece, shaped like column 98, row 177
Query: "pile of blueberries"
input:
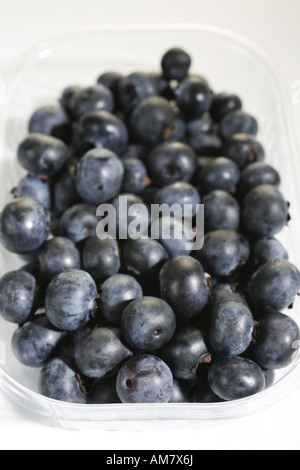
column 144, row 320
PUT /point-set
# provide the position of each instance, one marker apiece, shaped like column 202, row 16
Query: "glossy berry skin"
column 65, row 193
column 152, row 121
column 36, row 341
column 225, row 292
column 237, row 122
column 185, row 352
column 135, row 176
column 193, row 97
column 99, row 352
column 202, row 125
column 116, row 293
column 265, row 211
column 79, row 222
column 104, row 392
column 171, row 162
column 66, row 98
column 18, row 290
column 111, row 80
column 58, row 255
column 224, row 252
column 144, row 258
column 231, row 328
column 99, row 176
column 24, row 226
column 100, row 258
column 180, row 392
column 222, row 211
column 257, row 174
column 70, row 300
column 276, row 341
column 51, row 120
column 43, row 155
column 179, row 193
column 59, row 380
column 243, row 149
column 93, row 98
column 101, row 129
column 148, row 324
column 233, row 378
column 205, row 144
column 35, row 188
column 268, row 249
column 223, row 104
column 183, row 286
column 221, row 173
column 176, row 64
column 144, row 379
column 135, row 88
column 274, row 286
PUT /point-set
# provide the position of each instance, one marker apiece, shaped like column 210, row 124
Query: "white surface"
column 274, row 26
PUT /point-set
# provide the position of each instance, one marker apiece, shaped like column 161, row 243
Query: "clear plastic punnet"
column 229, row 63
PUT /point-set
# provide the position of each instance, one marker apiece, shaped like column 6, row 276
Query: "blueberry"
column 43, row 155
column 265, row 211
column 99, row 352
column 100, row 258
column 276, row 341
column 60, row 380
column 152, row 121
column 171, row 162
column 223, row 104
column 99, row 176
column 116, row 293
column 24, row 226
column 111, row 80
column 148, row 324
column 66, row 98
column 221, row 211
column 193, row 97
column 144, row 379
column 274, row 286
column 185, row 352
column 225, row 292
column 268, row 249
column 174, row 235
column 221, row 173
column 135, row 88
column 101, row 129
column 205, row 144
column 35, row 188
column 233, row 378
column 243, row 149
column 51, row 120
column 37, row 341
column 179, row 193
column 183, row 285
column 70, row 299
column 202, row 393
column 224, row 252
column 18, row 295
column 132, row 216
column 176, row 64
column 65, row 193
column 105, row 392
column 144, row 258
column 202, row 125
column 92, row 98
column 231, row 328
column 237, row 122
column 180, row 392
column 179, row 131
column 79, row 222
column 58, row 255
column 257, row 174
column 135, row 176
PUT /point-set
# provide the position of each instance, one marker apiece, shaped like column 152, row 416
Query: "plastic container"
column 230, row 64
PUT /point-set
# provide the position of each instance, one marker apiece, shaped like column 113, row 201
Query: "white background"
column 272, row 25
